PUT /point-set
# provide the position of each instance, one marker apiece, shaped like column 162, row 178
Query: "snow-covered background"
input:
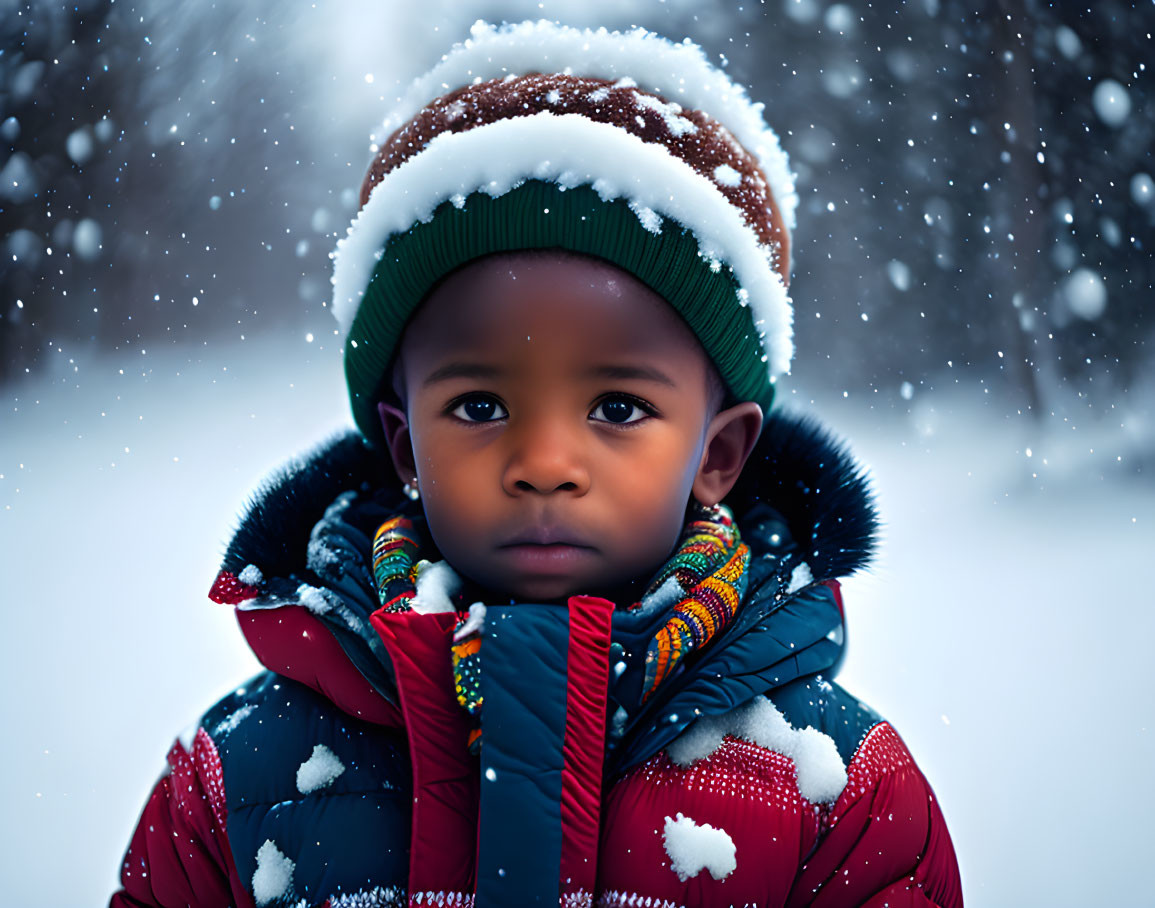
column 973, row 314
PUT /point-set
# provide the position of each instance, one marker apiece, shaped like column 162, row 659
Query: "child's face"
column 559, row 420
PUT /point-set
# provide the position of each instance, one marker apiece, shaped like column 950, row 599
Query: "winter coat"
column 341, row 776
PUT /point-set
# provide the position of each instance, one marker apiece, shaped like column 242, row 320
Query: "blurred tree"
column 967, row 208
column 58, row 87
column 147, row 162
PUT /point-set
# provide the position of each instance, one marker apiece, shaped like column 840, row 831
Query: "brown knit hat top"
column 689, row 135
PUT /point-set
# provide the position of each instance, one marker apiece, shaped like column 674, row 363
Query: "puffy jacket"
column 341, row 776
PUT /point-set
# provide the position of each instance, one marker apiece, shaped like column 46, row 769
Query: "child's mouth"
column 547, row 558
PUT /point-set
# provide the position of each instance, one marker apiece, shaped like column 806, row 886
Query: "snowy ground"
column 1005, row 630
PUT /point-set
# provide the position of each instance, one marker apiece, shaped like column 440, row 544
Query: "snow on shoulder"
column 251, row 574
column 679, row 72
column 800, row 577
column 821, row 772
column 693, row 848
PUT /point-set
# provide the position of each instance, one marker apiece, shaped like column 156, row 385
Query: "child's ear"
column 396, row 426
column 730, row 438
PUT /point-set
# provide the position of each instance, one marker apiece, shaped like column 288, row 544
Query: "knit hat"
column 620, row 145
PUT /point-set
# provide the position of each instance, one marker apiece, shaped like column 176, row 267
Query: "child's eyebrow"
column 462, row 370
column 484, row 370
column 648, row 373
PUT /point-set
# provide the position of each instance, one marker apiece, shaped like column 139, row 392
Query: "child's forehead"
column 575, row 302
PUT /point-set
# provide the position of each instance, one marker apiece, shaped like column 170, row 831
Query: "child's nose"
column 545, row 457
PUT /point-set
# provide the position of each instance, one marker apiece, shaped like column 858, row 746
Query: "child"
column 559, row 623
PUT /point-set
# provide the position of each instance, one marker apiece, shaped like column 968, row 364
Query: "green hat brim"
column 543, row 215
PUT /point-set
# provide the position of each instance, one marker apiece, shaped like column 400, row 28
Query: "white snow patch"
column 273, row 878
column 314, row 599
column 635, row 59
column 497, row 157
column 599, row 94
column 454, row 111
column 321, row 601
column 553, row 96
column 229, row 723
column 320, row 556
column 800, row 577
column 668, row 594
column 650, row 219
column 319, row 771
column 474, row 624
column 693, row 848
column 436, row 582
column 251, row 574
column 669, row 112
column 821, row 772
column 727, row 175
column 698, row 741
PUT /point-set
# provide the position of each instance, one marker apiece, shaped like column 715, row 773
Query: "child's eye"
column 619, row 410
column 479, row 409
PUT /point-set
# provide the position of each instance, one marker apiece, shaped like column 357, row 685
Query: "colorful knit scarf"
column 701, row 586
column 709, row 570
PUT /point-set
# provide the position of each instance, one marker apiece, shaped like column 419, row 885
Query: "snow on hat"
column 623, row 146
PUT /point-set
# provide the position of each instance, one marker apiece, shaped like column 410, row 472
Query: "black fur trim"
column 274, row 531
column 810, row 477
column 798, row 468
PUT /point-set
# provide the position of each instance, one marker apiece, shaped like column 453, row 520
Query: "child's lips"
column 554, row 557
column 546, row 548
